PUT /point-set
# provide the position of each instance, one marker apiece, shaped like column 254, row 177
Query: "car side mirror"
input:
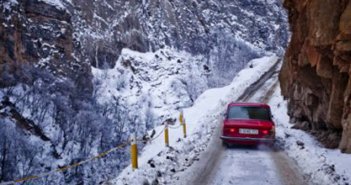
column 225, row 115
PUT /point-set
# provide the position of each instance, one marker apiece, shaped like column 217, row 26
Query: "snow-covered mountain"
column 77, row 76
column 225, row 32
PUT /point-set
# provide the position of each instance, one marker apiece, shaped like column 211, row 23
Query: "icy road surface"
column 246, row 165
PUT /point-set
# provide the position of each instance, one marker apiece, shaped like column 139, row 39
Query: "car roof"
column 248, row 104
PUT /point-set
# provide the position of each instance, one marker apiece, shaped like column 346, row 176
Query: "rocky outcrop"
column 315, row 76
column 21, row 122
column 32, row 31
column 39, row 36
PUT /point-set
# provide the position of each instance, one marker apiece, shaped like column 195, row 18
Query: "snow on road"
column 245, row 165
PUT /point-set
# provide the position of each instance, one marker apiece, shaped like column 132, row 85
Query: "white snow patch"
column 57, row 3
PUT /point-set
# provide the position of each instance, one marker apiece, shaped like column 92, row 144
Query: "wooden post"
column 184, row 128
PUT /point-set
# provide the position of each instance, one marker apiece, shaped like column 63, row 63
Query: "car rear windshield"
column 259, row 113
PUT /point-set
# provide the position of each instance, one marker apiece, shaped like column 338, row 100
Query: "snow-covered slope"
column 225, row 32
column 151, row 87
column 139, row 93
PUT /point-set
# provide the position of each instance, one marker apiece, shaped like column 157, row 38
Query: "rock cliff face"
column 315, row 76
column 36, row 34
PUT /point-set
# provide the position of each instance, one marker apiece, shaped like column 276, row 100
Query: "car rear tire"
column 224, row 144
column 272, row 145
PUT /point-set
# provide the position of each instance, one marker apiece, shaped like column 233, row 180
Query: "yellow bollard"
column 134, row 152
column 166, row 134
column 181, row 117
column 184, row 129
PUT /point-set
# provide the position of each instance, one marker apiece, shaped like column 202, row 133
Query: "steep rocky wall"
column 38, row 37
column 315, row 77
column 34, row 32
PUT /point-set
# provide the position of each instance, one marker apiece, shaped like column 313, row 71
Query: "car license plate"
column 248, row 131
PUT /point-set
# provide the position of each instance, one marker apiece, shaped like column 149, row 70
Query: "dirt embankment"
column 315, row 76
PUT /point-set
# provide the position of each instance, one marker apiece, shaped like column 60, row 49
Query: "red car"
column 248, row 124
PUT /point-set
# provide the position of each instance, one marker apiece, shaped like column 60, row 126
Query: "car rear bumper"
column 247, row 139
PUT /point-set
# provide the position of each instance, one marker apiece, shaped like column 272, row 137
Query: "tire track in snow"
column 250, row 91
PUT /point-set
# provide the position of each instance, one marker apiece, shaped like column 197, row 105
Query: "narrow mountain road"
column 220, row 165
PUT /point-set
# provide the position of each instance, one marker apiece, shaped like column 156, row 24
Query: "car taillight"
column 232, row 130
column 265, row 132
